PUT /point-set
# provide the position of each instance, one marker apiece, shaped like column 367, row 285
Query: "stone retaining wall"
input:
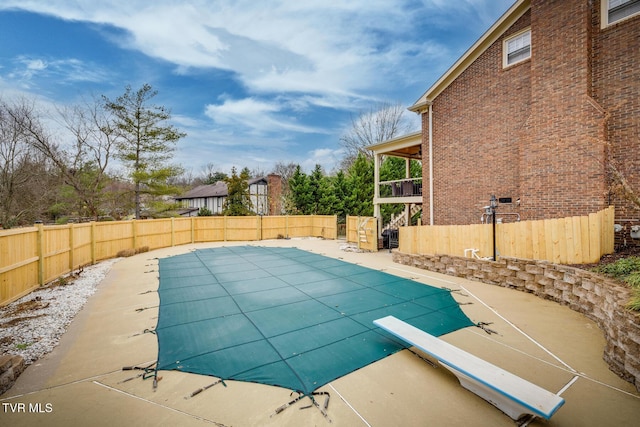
column 597, row 297
column 10, row 368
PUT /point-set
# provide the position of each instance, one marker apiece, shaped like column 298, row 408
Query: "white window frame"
column 604, row 15
column 505, row 48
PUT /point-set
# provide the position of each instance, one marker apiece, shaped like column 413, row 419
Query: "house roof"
column 488, row 38
column 404, row 146
column 219, row 189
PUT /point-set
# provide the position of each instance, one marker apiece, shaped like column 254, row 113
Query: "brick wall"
column 476, row 123
column 538, row 131
column 616, row 87
column 600, row 299
column 562, row 166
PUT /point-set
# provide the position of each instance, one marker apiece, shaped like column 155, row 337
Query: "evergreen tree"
column 317, row 188
column 146, row 142
column 329, row 202
column 360, row 182
column 238, row 201
column 301, row 194
column 341, row 191
column 204, row 211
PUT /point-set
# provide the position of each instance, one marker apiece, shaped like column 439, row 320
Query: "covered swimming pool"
column 284, row 316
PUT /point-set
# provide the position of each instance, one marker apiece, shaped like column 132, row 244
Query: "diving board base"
column 514, row 396
column 508, row 406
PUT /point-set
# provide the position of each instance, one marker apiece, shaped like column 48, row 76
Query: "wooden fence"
column 33, row 256
column 363, row 230
column 573, row 240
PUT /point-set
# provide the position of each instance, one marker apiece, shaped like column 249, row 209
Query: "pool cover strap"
column 286, row 317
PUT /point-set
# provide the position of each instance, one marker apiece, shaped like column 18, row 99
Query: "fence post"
column 71, row 246
column 358, row 231
column 173, row 232
column 40, row 244
column 193, row 231
column 259, row 227
column 346, row 227
column 224, row 228
column 93, row 242
column 134, row 233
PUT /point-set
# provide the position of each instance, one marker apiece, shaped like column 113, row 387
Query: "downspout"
column 430, row 163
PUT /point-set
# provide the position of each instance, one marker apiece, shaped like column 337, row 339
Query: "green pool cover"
column 286, row 317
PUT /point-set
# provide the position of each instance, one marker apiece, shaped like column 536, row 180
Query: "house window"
column 617, row 10
column 517, row 48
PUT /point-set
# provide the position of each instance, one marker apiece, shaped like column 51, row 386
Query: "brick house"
column 265, row 194
column 534, row 113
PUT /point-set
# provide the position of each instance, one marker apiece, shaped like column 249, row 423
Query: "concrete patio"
column 82, row 382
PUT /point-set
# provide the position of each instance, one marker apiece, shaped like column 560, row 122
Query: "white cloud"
column 34, row 64
column 328, row 158
column 339, row 49
column 69, row 70
column 257, row 116
column 295, row 61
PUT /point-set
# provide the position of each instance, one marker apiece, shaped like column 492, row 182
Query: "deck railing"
column 401, row 188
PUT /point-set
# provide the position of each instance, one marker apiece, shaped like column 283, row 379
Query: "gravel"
column 32, row 326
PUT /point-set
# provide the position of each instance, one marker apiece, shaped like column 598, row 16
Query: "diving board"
column 511, row 394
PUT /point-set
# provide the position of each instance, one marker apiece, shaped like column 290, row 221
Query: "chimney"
column 274, row 193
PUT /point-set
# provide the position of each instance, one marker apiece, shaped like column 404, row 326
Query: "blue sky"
column 252, row 83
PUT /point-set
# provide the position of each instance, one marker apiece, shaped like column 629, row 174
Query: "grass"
column 628, row 271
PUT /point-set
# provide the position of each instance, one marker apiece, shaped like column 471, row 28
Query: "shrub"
column 627, row 270
column 634, row 302
column 621, row 268
column 633, row 279
column 204, row 212
column 126, row 253
column 131, row 252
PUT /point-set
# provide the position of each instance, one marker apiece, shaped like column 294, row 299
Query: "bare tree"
column 383, row 121
column 27, row 184
column 621, row 186
column 211, row 174
column 621, row 177
column 82, row 164
column 285, row 170
column 88, row 159
column 14, row 154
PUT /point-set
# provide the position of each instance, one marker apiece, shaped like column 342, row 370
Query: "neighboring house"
column 264, row 192
column 536, row 112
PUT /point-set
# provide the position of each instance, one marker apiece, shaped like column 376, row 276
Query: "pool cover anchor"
column 483, row 326
column 207, row 387
column 151, row 371
column 458, row 291
column 322, row 409
column 140, row 310
column 134, row 368
column 286, row 405
column 146, row 331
